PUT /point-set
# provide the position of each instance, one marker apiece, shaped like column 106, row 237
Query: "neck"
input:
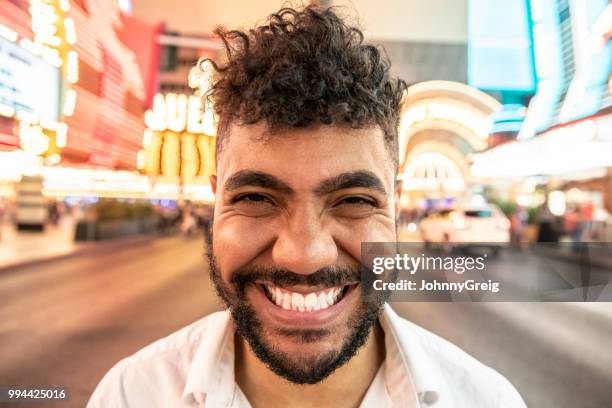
column 345, row 387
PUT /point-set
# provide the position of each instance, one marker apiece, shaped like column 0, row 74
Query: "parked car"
column 464, row 227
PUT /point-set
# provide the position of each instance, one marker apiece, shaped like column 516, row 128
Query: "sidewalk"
column 18, row 247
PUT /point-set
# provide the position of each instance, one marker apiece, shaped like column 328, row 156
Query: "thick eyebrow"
column 244, row 178
column 361, row 178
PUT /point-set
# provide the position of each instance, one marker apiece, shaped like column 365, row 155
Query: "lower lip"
column 313, row 319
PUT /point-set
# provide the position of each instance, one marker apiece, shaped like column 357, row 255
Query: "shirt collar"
column 212, row 367
column 407, row 367
column 407, row 360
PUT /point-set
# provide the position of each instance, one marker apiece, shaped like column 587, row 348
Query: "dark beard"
column 248, row 325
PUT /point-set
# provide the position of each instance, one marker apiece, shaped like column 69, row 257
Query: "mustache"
column 328, row 276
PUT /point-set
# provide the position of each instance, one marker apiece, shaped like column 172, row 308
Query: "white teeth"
column 272, row 292
column 310, row 302
column 330, row 297
column 297, row 301
column 287, row 301
column 279, row 296
column 322, row 300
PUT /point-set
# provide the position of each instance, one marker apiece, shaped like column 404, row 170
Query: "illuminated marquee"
column 179, row 139
column 40, row 128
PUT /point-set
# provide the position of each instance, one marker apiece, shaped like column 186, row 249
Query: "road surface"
column 66, row 322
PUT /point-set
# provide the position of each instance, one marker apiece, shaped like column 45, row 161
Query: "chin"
column 305, row 347
column 305, row 343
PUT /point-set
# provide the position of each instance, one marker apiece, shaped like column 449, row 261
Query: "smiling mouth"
column 305, row 302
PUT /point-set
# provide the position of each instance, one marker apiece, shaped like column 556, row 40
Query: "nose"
column 304, row 245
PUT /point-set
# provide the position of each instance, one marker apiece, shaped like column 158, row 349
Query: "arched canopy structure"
column 442, row 123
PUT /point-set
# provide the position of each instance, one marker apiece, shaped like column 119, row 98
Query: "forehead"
column 305, row 155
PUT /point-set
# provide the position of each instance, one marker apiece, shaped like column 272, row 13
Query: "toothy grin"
column 308, row 302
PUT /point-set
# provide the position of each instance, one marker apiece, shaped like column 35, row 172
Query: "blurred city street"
column 108, row 141
column 65, row 324
column 17, row 247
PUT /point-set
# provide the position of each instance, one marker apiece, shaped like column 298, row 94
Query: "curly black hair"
column 304, row 67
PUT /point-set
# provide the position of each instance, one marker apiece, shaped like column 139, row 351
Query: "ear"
column 213, row 183
column 398, row 196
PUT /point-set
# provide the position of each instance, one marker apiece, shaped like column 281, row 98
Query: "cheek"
column 350, row 236
column 237, row 241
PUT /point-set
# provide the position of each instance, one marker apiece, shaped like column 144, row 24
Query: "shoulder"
column 161, row 367
column 459, row 376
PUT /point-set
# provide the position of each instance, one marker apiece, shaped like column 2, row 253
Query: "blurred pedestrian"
column 518, row 223
column 572, row 223
column 574, row 227
column 587, row 210
column 548, row 230
column 53, row 213
column 189, row 224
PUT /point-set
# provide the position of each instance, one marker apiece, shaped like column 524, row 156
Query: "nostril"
column 305, row 252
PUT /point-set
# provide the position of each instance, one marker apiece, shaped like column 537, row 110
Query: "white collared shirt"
column 194, row 367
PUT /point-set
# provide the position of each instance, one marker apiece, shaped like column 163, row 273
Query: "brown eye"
column 358, row 201
column 254, row 204
column 355, row 207
column 252, row 198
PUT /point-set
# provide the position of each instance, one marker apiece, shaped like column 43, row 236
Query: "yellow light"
column 147, row 138
column 73, row 67
column 194, row 115
column 155, row 118
column 61, row 135
column 141, row 160
column 70, row 30
column 54, row 41
column 433, row 171
column 176, row 112
column 454, row 87
column 49, row 124
column 125, row 6
column 210, row 128
column 468, row 117
column 189, row 156
column 8, row 33
column 53, row 159
column 32, row 139
column 64, row 5
column 206, row 148
column 199, row 192
column 179, row 113
column 15, row 163
column 7, row 111
column 154, row 154
column 166, row 188
column 44, row 18
column 70, row 102
column 86, row 182
column 171, row 153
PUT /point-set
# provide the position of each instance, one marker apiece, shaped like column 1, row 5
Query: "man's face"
column 291, row 212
